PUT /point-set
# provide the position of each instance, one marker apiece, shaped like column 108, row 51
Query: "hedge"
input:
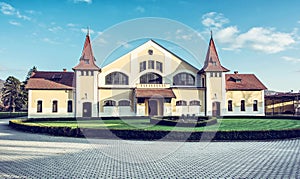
column 198, row 122
column 156, row 135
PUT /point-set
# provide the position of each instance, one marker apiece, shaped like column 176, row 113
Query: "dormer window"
column 238, row 80
column 214, row 63
column 56, row 76
column 86, row 61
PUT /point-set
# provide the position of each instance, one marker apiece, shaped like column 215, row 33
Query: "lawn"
column 144, row 124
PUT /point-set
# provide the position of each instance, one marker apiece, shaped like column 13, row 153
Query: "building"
column 282, row 104
column 149, row 80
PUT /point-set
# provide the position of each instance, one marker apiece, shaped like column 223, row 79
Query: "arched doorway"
column 216, row 109
column 155, row 107
column 87, row 109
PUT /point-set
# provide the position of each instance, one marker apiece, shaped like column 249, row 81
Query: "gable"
column 141, row 53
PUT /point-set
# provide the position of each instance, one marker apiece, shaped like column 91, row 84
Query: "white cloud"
column 214, row 20
column 264, row 39
column 15, row 23
column 291, row 59
column 83, row 1
column 140, row 9
column 71, row 25
column 9, row 10
column 86, row 30
column 267, row 40
column 55, row 29
column 183, row 35
column 124, row 44
column 47, row 40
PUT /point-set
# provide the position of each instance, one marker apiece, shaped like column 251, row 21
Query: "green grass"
column 144, row 124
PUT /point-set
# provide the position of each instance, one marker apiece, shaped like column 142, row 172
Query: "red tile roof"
column 212, row 62
column 148, row 93
column 87, row 59
column 243, row 82
column 51, row 80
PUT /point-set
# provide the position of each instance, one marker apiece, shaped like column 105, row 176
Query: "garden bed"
column 228, row 129
column 186, row 121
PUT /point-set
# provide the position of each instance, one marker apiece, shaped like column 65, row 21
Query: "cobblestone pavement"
column 26, row 155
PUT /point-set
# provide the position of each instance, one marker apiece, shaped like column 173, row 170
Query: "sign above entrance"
column 153, row 86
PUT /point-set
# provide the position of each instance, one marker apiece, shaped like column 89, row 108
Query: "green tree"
column 24, row 92
column 12, row 94
column 30, row 72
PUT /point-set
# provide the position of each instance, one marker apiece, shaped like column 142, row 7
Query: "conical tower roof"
column 212, row 62
column 87, row 60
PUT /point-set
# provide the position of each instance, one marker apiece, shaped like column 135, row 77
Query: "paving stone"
column 26, row 155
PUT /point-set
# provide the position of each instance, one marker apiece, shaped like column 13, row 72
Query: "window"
column 150, row 52
column 92, row 73
column 54, row 106
column 124, row 103
column 142, row 66
column 70, row 106
column 141, row 100
column 159, row 66
column 184, row 79
column 211, row 74
column 229, row 105
column 238, row 80
column 110, row 103
column 82, row 73
column 214, row 63
column 87, row 73
column 203, row 82
column 116, row 78
column 167, row 100
column 216, row 74
column 242, row 105
column 56, row 76
column 194, row 103
column 181, row 103
column 86, row 61
column 39, row 106
column 150, row 64
column 255, row 105
column 151, row 78
column 220, row 74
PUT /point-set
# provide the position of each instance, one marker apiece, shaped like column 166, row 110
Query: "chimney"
column 64, row 70
column 236, row 72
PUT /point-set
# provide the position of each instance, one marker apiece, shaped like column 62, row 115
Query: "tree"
column 12, row 96
column 30, row 72
column 24, row 92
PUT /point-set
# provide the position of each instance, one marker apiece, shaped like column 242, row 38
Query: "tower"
column 213, row 79
column 86, row 83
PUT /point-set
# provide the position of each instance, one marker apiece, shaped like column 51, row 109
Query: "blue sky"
column 252, row 36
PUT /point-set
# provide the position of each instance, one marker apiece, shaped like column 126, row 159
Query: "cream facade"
column 147, row 81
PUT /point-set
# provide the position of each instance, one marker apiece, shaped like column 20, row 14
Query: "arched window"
column 39, row 106
column 54, row 106
column 184, row 79
column 70, row 106
column 229, row 105
column 109, row 103
column 116, row 78
column 255, row 105
column 243, row 105
column 194, row 103
column 124, row 103
column 181, row 103
column 151, row 78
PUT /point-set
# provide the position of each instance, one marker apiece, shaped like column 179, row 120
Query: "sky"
column 251, row 36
